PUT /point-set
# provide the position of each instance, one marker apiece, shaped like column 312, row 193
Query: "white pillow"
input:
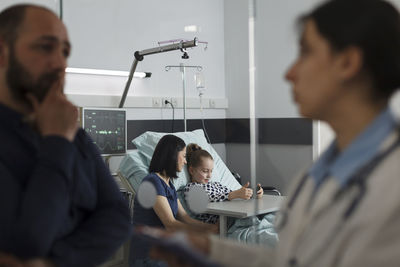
column 134, row 171
column 134, row 167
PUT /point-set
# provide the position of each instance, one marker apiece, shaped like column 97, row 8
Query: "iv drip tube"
column 182, row 68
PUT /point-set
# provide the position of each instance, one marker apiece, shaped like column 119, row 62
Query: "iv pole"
column 182, row 68
column 139, row 55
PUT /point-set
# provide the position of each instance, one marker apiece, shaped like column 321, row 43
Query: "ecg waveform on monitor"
column 107, row 129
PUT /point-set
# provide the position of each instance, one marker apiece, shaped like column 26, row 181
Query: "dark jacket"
column 57, row 198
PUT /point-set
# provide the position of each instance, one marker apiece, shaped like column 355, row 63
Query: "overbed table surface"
column 240, row 208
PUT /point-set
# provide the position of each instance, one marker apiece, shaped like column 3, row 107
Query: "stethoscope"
column 358, row 179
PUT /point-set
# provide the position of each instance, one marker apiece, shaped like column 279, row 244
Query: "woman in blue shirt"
column 169, row 158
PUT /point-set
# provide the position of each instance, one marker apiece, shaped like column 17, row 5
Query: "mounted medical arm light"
column 139, row 55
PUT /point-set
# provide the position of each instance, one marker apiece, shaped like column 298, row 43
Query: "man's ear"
column 4, row 50
column 351, row 62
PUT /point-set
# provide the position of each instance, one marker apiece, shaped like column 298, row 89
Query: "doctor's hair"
column 165, row 156
column 373, row 26
column 195, row 154
column 11, row 20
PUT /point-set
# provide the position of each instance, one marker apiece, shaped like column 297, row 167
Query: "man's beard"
column 21, row 82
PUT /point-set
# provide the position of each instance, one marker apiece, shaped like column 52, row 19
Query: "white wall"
column 276, row 48
column 236, row 57
column 105, row 34
column 108, row 39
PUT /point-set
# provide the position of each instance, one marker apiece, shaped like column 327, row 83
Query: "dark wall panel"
column 290, row 131
column 287, row 131
column 238, row 131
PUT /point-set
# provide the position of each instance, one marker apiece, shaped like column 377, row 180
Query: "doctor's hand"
column 214, row 228
column 244, row 192
column 39, row 263
column 173, row 260
column 197, row 240
column 55, row 115
column 7, row 260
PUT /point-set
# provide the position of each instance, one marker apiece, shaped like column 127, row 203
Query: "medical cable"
column 173, row 113
column 202, row 116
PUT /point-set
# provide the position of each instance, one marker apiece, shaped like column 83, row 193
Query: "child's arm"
column 244, row 192
column 216, row 192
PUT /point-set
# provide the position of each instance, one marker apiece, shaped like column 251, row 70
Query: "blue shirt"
column 341, row 166
column 144, row 216
column 57, row 198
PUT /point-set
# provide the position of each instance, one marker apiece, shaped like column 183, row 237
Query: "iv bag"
column 200, row 81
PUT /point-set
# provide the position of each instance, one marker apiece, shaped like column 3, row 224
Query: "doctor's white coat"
column 315, row 233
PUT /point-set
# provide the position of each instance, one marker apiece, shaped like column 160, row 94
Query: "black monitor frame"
column 88, row 109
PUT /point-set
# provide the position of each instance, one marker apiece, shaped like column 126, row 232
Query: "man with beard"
column 58, row 202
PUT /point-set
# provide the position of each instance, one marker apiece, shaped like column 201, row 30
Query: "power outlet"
column 172, row 100
column 212, row 103
column 156, row 102
column 165, row 105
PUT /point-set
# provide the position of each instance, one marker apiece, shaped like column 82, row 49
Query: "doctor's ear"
column 350, row 62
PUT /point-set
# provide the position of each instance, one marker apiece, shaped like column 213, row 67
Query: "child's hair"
column 194, row 155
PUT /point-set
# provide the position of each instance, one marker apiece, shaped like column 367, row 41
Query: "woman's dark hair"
column 195, row 154
column 371, row 25
column 165, row 156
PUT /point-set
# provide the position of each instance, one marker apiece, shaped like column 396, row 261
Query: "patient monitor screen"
column 107, row 128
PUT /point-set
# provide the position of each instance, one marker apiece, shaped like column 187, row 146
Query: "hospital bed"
column 134, row 167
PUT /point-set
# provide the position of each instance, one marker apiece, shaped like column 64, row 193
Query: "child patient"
column 200, row 165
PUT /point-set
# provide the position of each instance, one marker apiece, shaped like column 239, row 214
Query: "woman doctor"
column 345, row 209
